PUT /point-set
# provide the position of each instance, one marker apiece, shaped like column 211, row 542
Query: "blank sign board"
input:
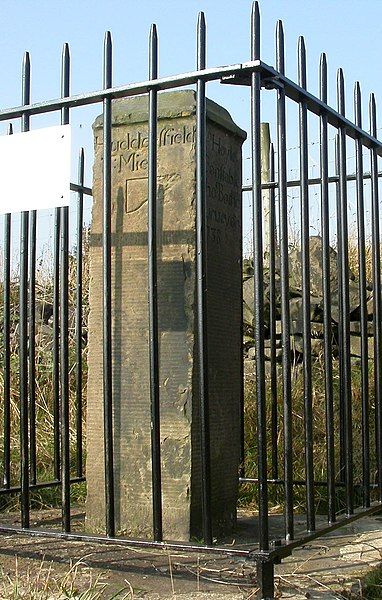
column 35, row 169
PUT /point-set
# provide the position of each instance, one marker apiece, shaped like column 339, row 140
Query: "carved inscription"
column 223, row 215
column 130, row 152
column 130, row 157
column 136, row 191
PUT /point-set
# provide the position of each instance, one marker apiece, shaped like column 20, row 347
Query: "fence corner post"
column 265, row 578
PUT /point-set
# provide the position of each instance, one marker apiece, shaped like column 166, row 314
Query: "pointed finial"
column 341, row 91
column 323, row 78
column 26, row 74
column 357, row 104
column 301, row 62
column 65, row 70
column 201, row 42
column 153, row 52
column 107, row 58
column 153, row 33
column 26, row 60
column 65, row 51
column 373, row 115
column 280, row 54
column 255, row 31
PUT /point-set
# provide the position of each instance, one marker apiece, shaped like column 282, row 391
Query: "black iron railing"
column 261, row 78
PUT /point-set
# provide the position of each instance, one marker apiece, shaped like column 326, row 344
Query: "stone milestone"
column 179, row 399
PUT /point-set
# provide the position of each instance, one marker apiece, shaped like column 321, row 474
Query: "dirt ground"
column 331, row 567
column 149, row 574
column 141, row 573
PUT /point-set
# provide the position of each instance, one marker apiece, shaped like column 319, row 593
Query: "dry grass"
column 248, row 494
column 44, row 395
column 44, row 376
column 44, row 583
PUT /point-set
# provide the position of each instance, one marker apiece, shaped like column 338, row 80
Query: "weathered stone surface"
column 355, row 346
column 296, row 301
column 355, row 327
column 180, row 424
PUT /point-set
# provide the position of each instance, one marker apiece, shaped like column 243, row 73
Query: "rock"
column 178, row 372
column 355, row 346
column 355, row 327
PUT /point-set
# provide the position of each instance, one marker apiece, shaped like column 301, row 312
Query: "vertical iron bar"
column 56, row 345
column 107, row 302
column 24, row 230
column 265, row 579
column 64, row 320
column 285, row 316
column 345, row 376
column 377, row 313
column 78, row 326
column 6, row 345
column 363, row 301
column 272, row 313
column 326, row 278
column 339, row 293
column 307, row 351
column 259, row 284
column 32, row 345
column 201, row 285
column 241, row 404
column 153, row 293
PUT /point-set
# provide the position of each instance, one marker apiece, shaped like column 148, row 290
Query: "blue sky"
column 349, row 31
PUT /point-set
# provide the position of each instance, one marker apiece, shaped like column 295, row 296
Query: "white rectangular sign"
column 35, row 169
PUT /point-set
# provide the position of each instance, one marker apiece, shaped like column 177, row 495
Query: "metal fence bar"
column 258, row 282
column 363, row 303
column 285, row 316
column 326, row 288
column 314, row 105
column 377, row 312
column 272, row 316
column 23, row 352
column 341, row 473
column 153, row 292
column 312, row 181
column 15, row 489
column 258, row 75
column 107, row 303
column 345, row 374
column 32, row 345
column 305, row 265
column 79, row 313
column 7, row 344
column 134, row 89
column 301, row 482
column 56, row 344
column 64, row 320
column 226, row 74
column 201, row 282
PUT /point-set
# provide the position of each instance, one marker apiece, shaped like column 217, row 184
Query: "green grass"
column 372, row 585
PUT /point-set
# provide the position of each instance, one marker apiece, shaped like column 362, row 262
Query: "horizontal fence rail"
column 330, row 398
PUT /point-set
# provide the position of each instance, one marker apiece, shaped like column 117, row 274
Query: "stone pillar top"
column 171, row 105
